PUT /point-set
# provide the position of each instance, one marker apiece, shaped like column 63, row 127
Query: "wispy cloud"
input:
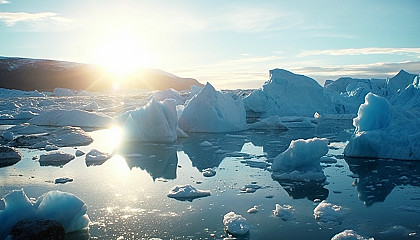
column 359, row 51
column 253, row 19
column 4, row 2
column 12, row 18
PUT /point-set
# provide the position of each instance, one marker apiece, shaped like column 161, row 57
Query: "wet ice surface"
column 127, row 194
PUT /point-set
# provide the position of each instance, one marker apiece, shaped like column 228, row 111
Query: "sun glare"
column 121, row 52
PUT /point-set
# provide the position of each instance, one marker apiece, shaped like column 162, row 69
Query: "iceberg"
column 9, row 156
column 289, row 94
column 301, row 161
column 213, row 111
column 385, row 131
column 284, row 212
column 96, row 157
column 63, row 207
column 168, row 94
column 76, row 118
column 155, row 122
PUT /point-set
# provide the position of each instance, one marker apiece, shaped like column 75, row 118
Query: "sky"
column 231, row 44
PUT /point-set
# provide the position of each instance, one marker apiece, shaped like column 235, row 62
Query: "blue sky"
column 231, row 44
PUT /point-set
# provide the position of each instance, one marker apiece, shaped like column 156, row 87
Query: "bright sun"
column 121, row 52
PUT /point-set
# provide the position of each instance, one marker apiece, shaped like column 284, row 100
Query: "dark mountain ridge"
column 45, row 75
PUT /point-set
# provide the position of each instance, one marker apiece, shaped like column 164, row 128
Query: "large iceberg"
column 288, row 94
column 63, row 207
column 385, row 131
column 212, row 111
column 76, row 118
column 301, row 161
column 155, row 122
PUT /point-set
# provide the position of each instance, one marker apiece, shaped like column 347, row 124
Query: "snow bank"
column 187, row 192
column 212, row 111
column 55, row 158
column 65, row 208
column 301, row 161
column 155, row 122
column 76, row 118
column 349, row 235
column 235, row 224
column 327, row 212
column 288, row 94
column 385, row 131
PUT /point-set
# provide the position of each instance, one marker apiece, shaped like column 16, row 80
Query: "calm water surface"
column 127, row 195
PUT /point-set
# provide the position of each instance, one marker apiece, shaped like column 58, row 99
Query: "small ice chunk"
column 254, row 209
column 79, row 153
column 93, row 106
column 284, row 212
column 51, row 147
column 349, row 235
column 63, row 180
column 325, row 159
column 208, row 172
column 55, row 158
column 97, row 156
column 235, row 224
column 206, row 144
column 328, row 213
column 187, row 192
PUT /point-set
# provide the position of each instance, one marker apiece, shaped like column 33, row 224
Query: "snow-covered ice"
column 76, row 118
column 284, row 212
column 288, row 94
column 254, row 209
column 349, row 235
column 236, row 224
column 385, row 131
column 93, row 106
column 187, row 192
column 55, row 158
column 63, row 207
column 155, row 122
column 301, row 161
column 327, row 212
column 213, row 111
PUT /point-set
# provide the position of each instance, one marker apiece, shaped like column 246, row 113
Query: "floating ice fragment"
column 349, row 235
column 235, row 224
column 208, row 172
column 187, row 192
column 96, row 157
column 284, row 212
column 254, row 209
column 55, row 158
column 79, row 153
column 206, row 144
column 327, row 212
column 63, row 180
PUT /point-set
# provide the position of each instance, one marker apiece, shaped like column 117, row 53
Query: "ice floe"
column 236, row 224
column 213, row 111
column 284, row 212
column 349, row 235
column 96, row 157
column 187, row 192
column 327, row 212
column 9, row 156
column 76, row 118
column 55, row 158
